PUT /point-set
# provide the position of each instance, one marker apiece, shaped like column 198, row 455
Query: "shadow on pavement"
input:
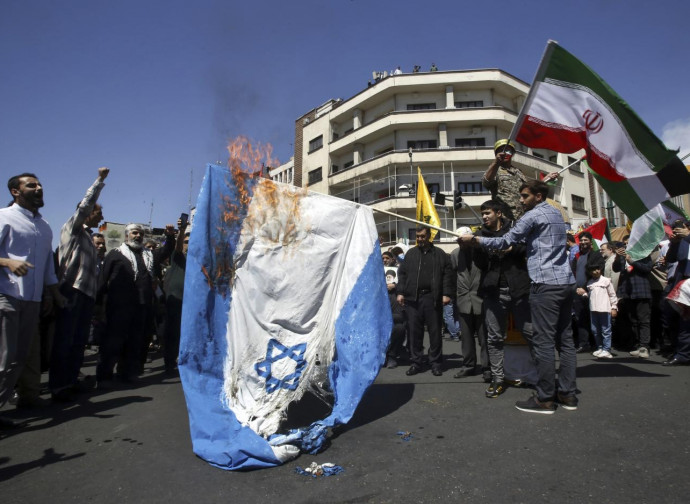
column 49, row 457
column 616, row 368
column 379, row 401
column 56, row 413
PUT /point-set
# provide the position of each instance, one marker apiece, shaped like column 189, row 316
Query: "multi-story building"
column 368, row 148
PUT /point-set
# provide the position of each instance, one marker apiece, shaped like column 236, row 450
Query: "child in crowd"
column 603, row 306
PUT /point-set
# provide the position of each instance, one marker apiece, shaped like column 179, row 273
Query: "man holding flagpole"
column 543, row 231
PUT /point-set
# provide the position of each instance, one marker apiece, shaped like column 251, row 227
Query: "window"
column 553, row 159
column 314, row 176
column 434, row 188
column 575, row 167
column 470, row 142
column 316, row 143
column 472, row 188
column 335, row 168
column 421, row 106
column 469, row 104
column 536, row 154
column 348, row 164
column 578, row 203
column 421, row 144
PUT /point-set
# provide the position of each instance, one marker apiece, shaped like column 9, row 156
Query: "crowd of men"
column 52, row 302
column 563, row 296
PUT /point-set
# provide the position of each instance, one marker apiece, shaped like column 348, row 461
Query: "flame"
column 246, row 162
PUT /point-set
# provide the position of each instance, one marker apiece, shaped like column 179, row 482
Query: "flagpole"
column 420, row 223
column 686, row 156
column 572, row 164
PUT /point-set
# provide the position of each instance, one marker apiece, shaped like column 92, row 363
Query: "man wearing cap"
column 504, row 180
column 127, row 280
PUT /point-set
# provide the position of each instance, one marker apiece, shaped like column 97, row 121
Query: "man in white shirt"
column 26, row 266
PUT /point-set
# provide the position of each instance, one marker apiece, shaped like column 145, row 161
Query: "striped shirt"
column 543, row 232
column 76, row 253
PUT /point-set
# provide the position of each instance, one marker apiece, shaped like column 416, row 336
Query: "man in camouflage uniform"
column 504, row 180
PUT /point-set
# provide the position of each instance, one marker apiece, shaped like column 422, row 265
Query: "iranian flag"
column 570, row 108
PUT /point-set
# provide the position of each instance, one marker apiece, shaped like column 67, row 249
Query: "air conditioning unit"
column 306, row 121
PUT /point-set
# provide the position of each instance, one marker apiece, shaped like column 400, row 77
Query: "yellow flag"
column 426, row 211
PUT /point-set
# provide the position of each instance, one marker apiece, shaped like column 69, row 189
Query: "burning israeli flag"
column 284, row 296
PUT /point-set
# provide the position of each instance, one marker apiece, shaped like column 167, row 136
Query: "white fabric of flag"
column 284, row 296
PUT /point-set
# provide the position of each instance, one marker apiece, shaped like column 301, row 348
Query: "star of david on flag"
column 275, row 353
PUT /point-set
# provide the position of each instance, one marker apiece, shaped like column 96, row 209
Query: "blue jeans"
column 601, row 329
column 551, row 307
column 451, row 320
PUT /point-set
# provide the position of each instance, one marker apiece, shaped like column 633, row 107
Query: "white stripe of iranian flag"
column 562, row 103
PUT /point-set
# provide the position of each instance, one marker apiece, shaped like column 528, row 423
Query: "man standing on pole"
column 504, row 180
column 543, row 231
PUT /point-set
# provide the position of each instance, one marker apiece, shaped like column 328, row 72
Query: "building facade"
column 367, row 149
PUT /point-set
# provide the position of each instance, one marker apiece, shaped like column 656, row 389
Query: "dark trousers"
column 71, row 335
column 639, row 314
column 472, row 324
column 669, row 324
column 173, row 321
column 551, row 307
column 583, row 323
column 683, row 343
column 121, row 344
column 419, row 313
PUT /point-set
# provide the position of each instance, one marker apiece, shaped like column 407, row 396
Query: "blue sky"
column 154, row 89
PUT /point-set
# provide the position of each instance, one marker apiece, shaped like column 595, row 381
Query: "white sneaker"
column 604, row 354
column 597, row 353
column 643, row 353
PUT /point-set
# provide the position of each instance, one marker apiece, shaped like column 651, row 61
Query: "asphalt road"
column 629, row 441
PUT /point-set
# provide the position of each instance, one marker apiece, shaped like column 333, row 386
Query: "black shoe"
column 515, row 383
column 675, row 362
column 85, row 384
column 495, row 389
column 36, row 402
column 534, row 405
column 9, row 424
column 63, row 396
column 413, row 370
column 465, row 371
column 583, row 349
column 437, row 371
column 568, row 402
